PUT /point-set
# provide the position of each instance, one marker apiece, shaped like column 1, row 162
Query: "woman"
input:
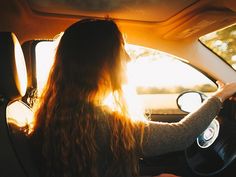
column 78, row 135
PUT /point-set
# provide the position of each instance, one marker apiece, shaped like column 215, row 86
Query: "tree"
column 223, row 43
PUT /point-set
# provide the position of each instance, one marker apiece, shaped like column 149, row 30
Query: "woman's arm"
column 160, row 138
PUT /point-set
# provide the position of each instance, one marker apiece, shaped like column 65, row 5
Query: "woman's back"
column 102, row 162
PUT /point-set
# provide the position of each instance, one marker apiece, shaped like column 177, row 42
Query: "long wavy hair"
column 89, row 64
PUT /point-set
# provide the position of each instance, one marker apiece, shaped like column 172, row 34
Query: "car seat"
column 15, row 159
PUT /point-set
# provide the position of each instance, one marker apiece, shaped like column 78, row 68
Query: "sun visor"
column 13, row 75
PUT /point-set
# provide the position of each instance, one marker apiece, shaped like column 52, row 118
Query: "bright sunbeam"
column 135, row 109
column 148, row 68
column 20, row 67
column 159, row 70
column 44, row 60
column 19, row 114
column 44, row 53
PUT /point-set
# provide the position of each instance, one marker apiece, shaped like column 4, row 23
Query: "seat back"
column 9, row 162
column 15, row 160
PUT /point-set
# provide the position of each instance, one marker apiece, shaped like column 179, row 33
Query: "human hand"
column 225, row 91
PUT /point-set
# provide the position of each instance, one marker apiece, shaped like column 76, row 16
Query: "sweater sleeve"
column 160, row 138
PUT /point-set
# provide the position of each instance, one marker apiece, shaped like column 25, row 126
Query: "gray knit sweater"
column 162, row 137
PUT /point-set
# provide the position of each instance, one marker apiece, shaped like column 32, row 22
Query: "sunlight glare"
column 135, row 109
column 19, row 114
column 20, row 67
column 160, row 71
column 44, row 52
column 148, row 68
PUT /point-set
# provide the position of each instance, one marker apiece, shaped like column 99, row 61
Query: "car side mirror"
column 190, row 101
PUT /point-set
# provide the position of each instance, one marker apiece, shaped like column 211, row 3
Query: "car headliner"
column 138, row 10
column 175, row 31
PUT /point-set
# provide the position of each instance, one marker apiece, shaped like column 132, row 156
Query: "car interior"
column 173, row 72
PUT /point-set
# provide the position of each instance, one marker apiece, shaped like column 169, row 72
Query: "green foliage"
column 223, row 43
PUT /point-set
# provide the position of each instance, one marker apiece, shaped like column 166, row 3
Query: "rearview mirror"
column 190, row 101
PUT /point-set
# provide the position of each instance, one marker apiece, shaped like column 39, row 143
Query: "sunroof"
column 148, row 10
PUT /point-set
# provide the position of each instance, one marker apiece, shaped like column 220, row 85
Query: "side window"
column 223, row 43
column 44, row 59
column 159, row 78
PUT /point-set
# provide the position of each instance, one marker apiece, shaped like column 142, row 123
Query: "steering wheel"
column 215, row 149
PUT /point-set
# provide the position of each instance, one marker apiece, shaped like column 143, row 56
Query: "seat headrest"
column 13, row 75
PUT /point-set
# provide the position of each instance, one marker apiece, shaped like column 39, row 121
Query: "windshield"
column 223, row 43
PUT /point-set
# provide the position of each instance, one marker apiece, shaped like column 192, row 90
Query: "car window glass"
column 223, row 43
column 44, row 55
column 158, row 77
